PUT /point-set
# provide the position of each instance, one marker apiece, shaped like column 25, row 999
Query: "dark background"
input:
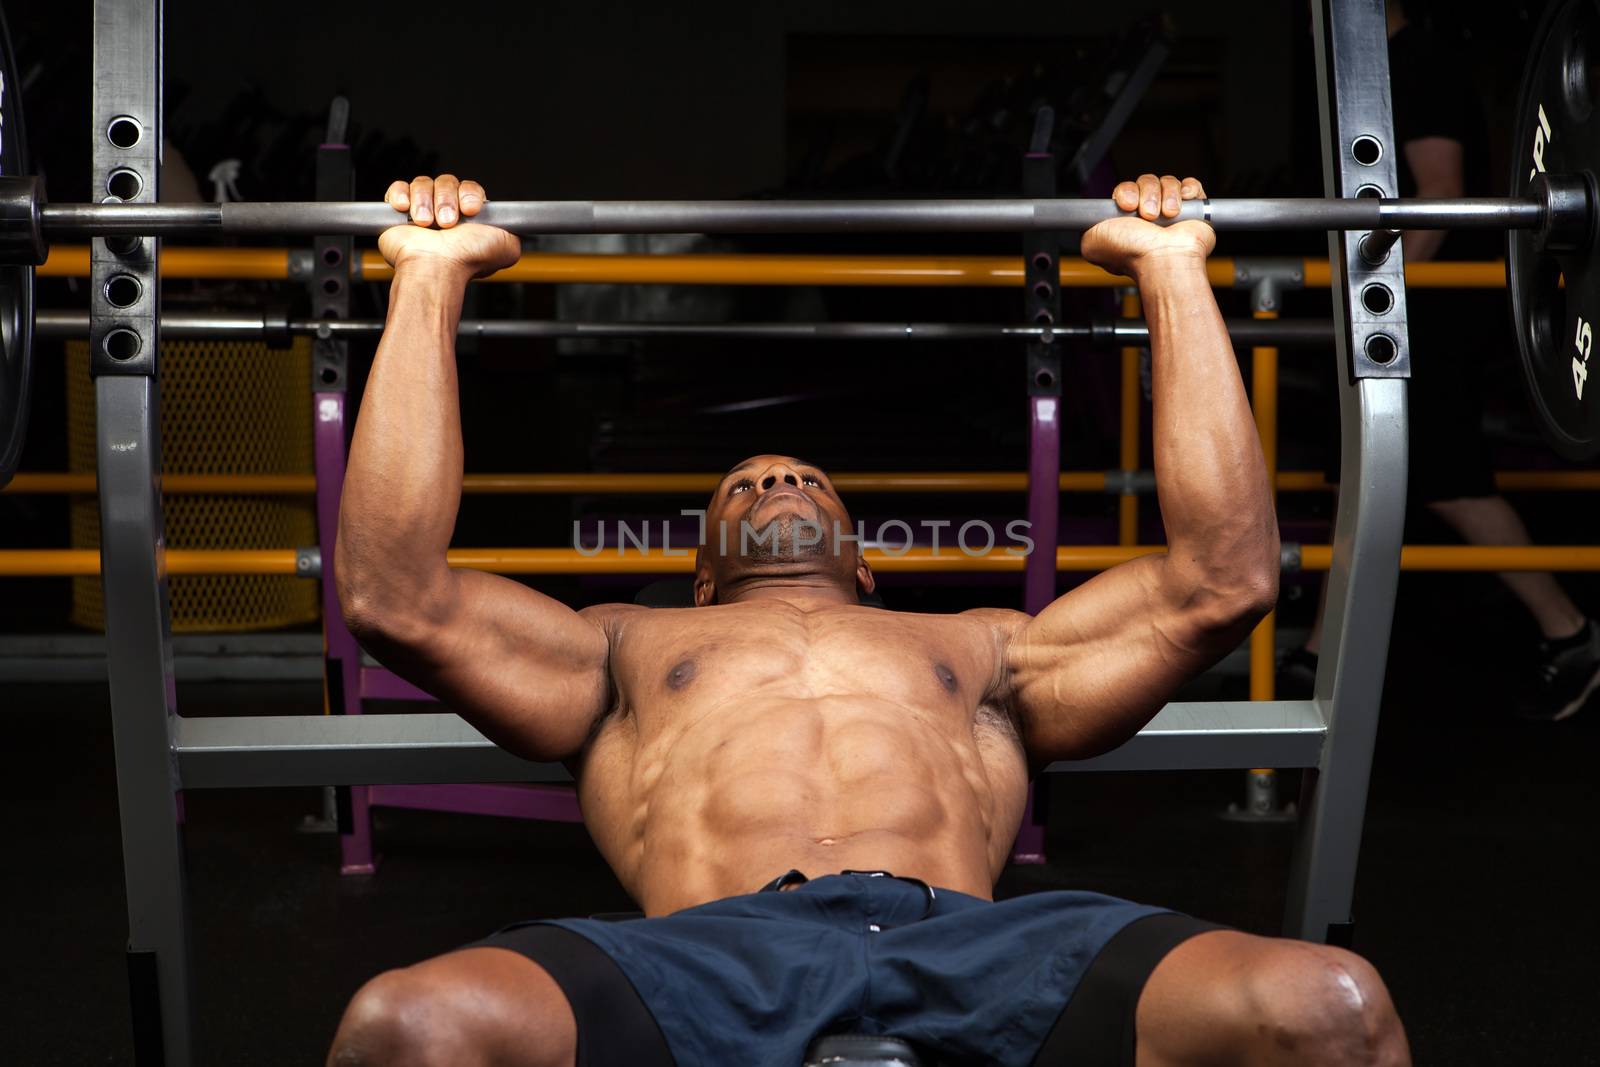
column 1476, row 897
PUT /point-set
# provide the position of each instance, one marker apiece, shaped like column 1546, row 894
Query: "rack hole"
column 332, row 257
column 121, row 344
column 1043, row 318
column 1366, row 150
column 1381, row 349
column 124, row 131
column 125, row 245
column 124, row 184
column 329, row 376
column 330, row 313
column 1042, row 261
column 123, row 291
column 1045, row 379
column 331, row 286
column 1042, row 291
column 1377, row 299
column 1370, row 192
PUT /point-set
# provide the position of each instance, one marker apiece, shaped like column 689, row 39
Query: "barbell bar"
column 1557, row 205
column 182, row 325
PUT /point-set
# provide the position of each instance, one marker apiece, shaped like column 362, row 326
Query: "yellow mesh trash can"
column 227, row 407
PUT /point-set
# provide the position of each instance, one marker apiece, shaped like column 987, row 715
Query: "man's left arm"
column 1094, row 666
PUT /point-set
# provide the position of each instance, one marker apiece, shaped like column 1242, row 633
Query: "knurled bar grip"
column 777, row 216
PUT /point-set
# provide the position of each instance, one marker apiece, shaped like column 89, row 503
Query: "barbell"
column 1550, row 219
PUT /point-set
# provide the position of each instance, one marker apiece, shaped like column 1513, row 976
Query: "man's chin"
column 786, row 539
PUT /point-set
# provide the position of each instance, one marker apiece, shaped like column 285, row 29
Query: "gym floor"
column 1475, row 899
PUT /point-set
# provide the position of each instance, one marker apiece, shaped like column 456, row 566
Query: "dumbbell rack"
column 159, row 753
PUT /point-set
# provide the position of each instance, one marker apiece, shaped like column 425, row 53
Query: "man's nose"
column 777, row 473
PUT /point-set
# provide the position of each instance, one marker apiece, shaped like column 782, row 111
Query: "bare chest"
column 668, row 663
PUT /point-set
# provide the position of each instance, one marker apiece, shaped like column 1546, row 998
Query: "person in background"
column 1444, row 153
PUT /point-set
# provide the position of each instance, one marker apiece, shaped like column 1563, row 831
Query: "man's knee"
column 393, row 1019
column 1315, row 1004
column 449, row 1011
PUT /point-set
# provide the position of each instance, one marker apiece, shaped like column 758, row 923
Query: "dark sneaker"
column 1564, row 679
column 1297, row 674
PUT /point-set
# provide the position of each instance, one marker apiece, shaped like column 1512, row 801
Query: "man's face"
column 775, row 516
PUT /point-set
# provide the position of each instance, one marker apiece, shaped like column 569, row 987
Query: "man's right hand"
column 436, row 208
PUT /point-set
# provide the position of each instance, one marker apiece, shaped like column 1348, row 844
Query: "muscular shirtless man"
column 880, row 758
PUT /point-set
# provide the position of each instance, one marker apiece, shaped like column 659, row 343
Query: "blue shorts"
column 752, row 980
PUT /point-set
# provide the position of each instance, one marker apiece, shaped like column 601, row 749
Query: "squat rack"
column 158, row 752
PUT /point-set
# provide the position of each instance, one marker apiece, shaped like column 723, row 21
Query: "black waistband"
column 791, row 878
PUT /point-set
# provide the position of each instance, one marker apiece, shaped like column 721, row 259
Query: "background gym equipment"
column 159, row 751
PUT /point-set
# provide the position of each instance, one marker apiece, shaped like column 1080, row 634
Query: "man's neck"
column 789, row 588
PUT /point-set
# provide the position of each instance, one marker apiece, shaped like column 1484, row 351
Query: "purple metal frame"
column 1039, row 573
column 350, row 684
column 1044, row 501
column 343, row 664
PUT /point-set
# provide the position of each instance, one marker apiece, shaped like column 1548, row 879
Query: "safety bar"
column 278, row 264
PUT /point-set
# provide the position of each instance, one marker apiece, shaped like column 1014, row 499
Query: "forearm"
column 402, row 485
column 1422, row 245
column 1211, row 479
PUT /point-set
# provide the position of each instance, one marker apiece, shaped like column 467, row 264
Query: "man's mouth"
column 777, row 492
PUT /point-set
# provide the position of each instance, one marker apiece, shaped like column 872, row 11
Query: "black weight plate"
column 1558, row 130
column 16, row 282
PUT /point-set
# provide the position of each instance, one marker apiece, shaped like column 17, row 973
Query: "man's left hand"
column 1128, row 244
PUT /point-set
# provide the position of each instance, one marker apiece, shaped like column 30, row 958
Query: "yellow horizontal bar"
column 34, row 562
column 622, row 482
column 72, row 562
column 1539, row 480
column 72, row 261
column 1432, row 274
column 250, row 264
column 176, row 484
column 1475, row 557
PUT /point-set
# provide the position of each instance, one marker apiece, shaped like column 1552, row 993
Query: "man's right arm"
column 523, row 668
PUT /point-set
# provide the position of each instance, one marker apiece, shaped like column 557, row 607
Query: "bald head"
column 775, row 520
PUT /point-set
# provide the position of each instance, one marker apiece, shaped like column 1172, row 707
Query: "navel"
column 947, row 677
column 681, row 674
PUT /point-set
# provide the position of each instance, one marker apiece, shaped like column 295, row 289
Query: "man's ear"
column 705, row 587
column 866, row 581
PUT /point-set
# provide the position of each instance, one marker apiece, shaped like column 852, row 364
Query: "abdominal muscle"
column 753, row 788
